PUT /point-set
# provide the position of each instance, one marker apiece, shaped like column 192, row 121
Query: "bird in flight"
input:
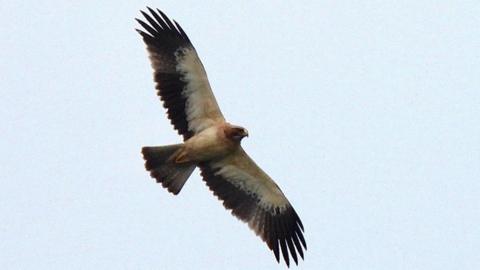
column 211, row 143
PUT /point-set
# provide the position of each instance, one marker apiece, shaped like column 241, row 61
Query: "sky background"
column 366, row 113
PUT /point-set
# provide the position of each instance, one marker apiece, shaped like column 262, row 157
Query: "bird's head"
column 235, row 133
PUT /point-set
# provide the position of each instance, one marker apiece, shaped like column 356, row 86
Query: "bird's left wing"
column 180, row 78
column 256, row 199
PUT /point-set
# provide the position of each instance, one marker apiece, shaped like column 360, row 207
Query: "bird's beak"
column 246, row 133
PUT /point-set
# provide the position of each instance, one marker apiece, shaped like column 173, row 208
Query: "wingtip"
column 277, row 256
column 143, row 13
column 161, row 13
column 150, row 9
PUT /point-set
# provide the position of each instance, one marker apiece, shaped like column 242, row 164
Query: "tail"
column 160, row 163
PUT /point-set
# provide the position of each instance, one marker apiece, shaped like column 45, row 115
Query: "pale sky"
column 366, row 113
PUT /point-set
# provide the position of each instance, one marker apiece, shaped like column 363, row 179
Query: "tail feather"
column 159, row 160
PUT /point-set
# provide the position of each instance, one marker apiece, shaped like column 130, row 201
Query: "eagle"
column 211, row 143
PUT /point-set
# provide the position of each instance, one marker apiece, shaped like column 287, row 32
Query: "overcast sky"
column 366, row 113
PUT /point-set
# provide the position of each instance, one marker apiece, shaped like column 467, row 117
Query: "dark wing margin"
column 281, row 228
column 165, row 39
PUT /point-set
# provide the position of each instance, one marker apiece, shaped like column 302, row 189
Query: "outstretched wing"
column 180, row 78
column 254, row 198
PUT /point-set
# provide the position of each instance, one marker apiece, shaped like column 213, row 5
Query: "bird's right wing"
column 180, row 78
column 256, row 199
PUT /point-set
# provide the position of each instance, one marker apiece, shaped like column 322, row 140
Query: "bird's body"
column 211, row 143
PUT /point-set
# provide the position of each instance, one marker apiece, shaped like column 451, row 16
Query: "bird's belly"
column 207, row 145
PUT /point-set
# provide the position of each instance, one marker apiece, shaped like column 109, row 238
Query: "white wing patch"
column 201, row 108
column 259, row 186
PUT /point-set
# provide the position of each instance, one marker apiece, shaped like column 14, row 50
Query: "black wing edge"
column 160, row 26
column 280, row 230
column 164, row 38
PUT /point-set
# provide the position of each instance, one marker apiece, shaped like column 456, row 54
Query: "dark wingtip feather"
column 182, row 32
column 139, row 22
column 283, row 245
column 152, row 22
column 150, row 9
column 292, row 250
column 274, row 236
column 147, row 27
column 167, row 20
column 297, row 244
column 159, row 19
column 299, row 222
column 160, row 25
column 276, row 251
column 300, row 236
column 144, row 14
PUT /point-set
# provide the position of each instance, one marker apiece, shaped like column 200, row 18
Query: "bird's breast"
column 208, row 144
